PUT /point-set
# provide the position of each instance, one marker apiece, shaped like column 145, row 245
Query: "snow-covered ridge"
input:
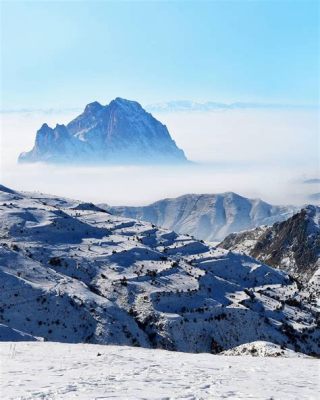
column 292, row 245
column 261, row 349
column 71, row 272
column 209, row 217
column 121, row 132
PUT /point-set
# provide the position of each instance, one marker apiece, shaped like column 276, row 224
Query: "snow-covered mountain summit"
column 209, row 217
column 71, row 272
column 121, row 132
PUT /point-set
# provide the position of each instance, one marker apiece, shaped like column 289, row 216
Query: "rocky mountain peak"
column 119, row 133
column 44, row 128
column 93, row 107
column 126, row 104
column 292, row 245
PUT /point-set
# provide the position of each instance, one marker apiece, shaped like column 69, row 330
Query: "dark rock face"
column 293, row 245
column 119, row 133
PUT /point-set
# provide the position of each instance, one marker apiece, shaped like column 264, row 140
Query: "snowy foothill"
column 71, row 272
column 209, row 217
column 54, row 371
column 96, row 306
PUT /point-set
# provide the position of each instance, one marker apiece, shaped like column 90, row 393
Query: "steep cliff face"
column 51, row 144
column 293, row 245
column 120, row 133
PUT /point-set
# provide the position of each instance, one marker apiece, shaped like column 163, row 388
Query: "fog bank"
column 256, row 153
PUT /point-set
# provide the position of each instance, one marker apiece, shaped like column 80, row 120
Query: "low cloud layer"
column 257, row 153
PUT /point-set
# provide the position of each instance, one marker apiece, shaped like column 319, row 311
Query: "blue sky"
column 66, row 54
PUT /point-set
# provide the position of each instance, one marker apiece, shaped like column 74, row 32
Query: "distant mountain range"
column 175, row 105
column 209, row 217
column 71, row 272
column 187, row 105
column 119, row 133
column 292, row 245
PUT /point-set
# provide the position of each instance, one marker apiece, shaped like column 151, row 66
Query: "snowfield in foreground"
column 35, row 370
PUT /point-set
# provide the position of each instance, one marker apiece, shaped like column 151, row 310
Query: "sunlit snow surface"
column 70, row 272
column 55, row 371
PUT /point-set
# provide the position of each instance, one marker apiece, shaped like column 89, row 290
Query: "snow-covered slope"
column 292, row 245
column 55, row 371
column 209, row 217
column 261, row 349
column 120, row 133
column 71, row 272
column 13, row 335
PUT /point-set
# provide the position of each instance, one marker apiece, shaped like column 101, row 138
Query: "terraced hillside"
column 71, row 272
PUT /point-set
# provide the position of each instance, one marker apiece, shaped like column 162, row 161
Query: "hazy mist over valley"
column 231, row 150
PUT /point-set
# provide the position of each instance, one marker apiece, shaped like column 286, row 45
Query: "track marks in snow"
column 55, row 371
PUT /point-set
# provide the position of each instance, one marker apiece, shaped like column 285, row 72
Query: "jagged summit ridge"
column 121, row 132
